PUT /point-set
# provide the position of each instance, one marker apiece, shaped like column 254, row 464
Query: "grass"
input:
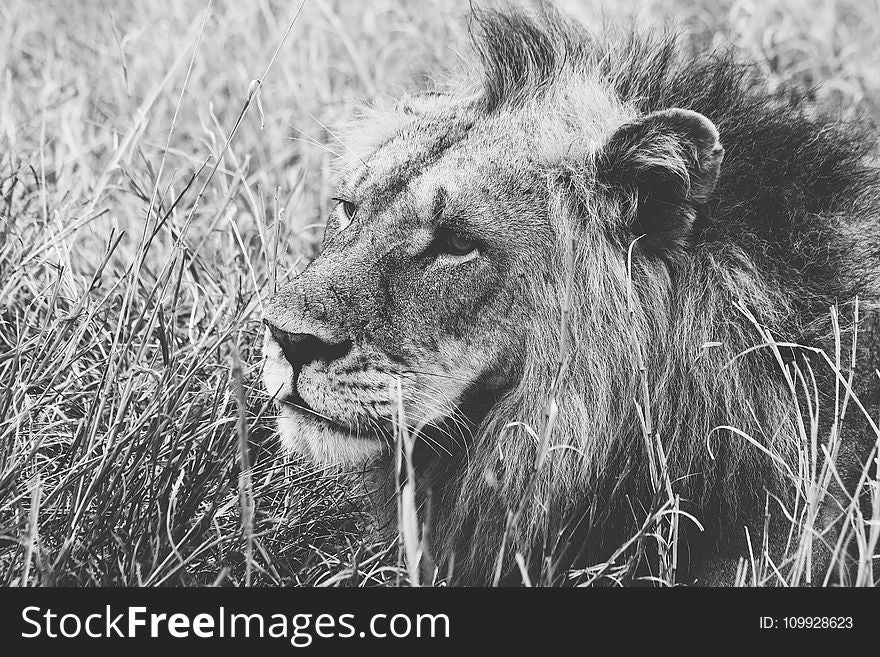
column 152, row 195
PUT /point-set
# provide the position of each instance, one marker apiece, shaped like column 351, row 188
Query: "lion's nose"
column 304, row 348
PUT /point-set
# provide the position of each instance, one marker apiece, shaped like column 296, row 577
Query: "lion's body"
column 660, row 334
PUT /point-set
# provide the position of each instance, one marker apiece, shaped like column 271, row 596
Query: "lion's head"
column 512, row 263
column 434, row 238
column 447, row 243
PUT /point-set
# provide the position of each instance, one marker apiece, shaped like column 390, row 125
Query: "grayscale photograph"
column 301, row 295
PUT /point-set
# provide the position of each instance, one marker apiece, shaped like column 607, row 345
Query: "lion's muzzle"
column 299, row 350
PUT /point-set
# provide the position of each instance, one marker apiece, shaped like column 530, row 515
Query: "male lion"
column 567, row 281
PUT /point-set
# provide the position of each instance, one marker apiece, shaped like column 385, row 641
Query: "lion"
column 567, row 274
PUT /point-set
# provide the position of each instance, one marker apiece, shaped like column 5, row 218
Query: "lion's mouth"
column 299, row 405
column 296, row 404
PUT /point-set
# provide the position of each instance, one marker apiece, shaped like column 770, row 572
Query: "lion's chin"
column 323, row 444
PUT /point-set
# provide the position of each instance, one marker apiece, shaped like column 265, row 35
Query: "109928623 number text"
column 807, row 622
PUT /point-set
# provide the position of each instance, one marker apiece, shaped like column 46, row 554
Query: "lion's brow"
column 439, row 205
column 400, row 176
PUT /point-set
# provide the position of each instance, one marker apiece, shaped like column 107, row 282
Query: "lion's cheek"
column 348, row 395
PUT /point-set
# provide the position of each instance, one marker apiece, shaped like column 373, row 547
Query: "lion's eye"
column 450, row 242
column 349, row 209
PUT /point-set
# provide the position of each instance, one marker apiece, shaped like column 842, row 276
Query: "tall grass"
column 158, row 180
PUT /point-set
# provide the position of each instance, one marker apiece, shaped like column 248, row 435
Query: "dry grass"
column 152, row 195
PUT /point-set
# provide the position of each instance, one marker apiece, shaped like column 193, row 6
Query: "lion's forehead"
column 407, row 154
column 467, row 151
column 466, row 161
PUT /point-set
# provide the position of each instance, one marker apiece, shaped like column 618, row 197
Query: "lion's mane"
column 790, row 231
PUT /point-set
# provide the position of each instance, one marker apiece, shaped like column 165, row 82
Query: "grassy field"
column 147, row 210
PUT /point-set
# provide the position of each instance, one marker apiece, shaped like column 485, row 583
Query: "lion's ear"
column 665, row 164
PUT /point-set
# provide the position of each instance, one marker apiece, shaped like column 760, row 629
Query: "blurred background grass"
column 119, row 457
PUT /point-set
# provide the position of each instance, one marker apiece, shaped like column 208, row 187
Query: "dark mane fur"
column 787, row 168
column 790, row 231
